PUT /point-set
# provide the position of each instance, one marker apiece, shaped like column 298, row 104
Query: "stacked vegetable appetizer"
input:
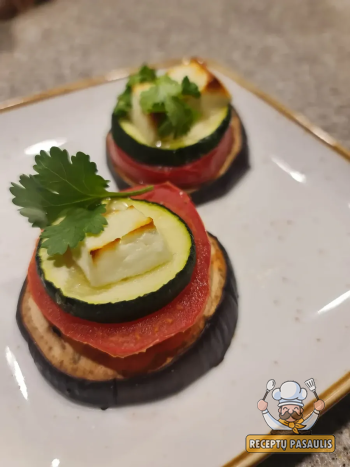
column 178, row 127
column 127, row 298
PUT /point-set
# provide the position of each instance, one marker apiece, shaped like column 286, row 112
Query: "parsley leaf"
column 61, row 186
column 180, row 115
column 73, row 180
column 153, row 100
column 178, row 119
column 123, row 105
column 189, row 88
column 165, row 127
column 72, row 229
column 167, row 96
column 36, row 202
column 144, row 75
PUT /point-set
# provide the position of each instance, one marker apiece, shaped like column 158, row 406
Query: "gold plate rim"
column 339, row 389
column 121, row 73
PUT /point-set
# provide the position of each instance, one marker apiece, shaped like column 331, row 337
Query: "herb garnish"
column 189, row 88
column 144, row 75
column 166, row 97
column 66, row 188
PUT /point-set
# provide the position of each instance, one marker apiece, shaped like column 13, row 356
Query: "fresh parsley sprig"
column 64, row 198
column 153, row 99
column 73, row 228
column 189, row 88
column 144, row 75
column 168, row 98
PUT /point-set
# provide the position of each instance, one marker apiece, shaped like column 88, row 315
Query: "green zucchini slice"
column 128, row 299
column 204, row 136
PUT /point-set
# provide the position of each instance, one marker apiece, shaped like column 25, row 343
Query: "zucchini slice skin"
column 180, row 373
column 209, row 191
column 173, row 157
column 127, row 310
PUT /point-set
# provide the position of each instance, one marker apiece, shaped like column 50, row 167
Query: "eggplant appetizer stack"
column 179, row 127
column 127, row 298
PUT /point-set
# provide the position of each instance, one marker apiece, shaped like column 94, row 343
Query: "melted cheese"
column 214, row 95
column 144, row 123
column 212, row 107
column 199, row 74
column 130, row 245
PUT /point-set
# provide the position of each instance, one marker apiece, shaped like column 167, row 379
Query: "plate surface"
column 286, row 227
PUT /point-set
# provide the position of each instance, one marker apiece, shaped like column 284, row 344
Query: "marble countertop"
column 296, row 50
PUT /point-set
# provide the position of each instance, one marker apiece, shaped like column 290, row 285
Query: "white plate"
column 286, row 227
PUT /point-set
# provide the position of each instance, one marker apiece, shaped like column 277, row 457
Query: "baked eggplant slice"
column 236, row 165
column 84, row 379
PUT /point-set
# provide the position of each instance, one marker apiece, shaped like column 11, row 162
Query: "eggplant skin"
column 211, row 190
column 222, row 185
column 207, row 352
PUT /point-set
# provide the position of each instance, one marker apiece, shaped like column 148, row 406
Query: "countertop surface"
column 296, row 50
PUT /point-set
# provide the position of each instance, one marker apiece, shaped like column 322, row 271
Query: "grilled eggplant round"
column 82, row 378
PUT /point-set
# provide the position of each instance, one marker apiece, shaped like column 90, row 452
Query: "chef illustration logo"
column 290, row 397
column 291, row 431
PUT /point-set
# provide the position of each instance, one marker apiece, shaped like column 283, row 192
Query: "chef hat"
column 290, row 392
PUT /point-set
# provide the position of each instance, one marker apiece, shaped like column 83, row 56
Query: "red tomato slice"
column 123, row 339
column 187, row 176
column 154, row 357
